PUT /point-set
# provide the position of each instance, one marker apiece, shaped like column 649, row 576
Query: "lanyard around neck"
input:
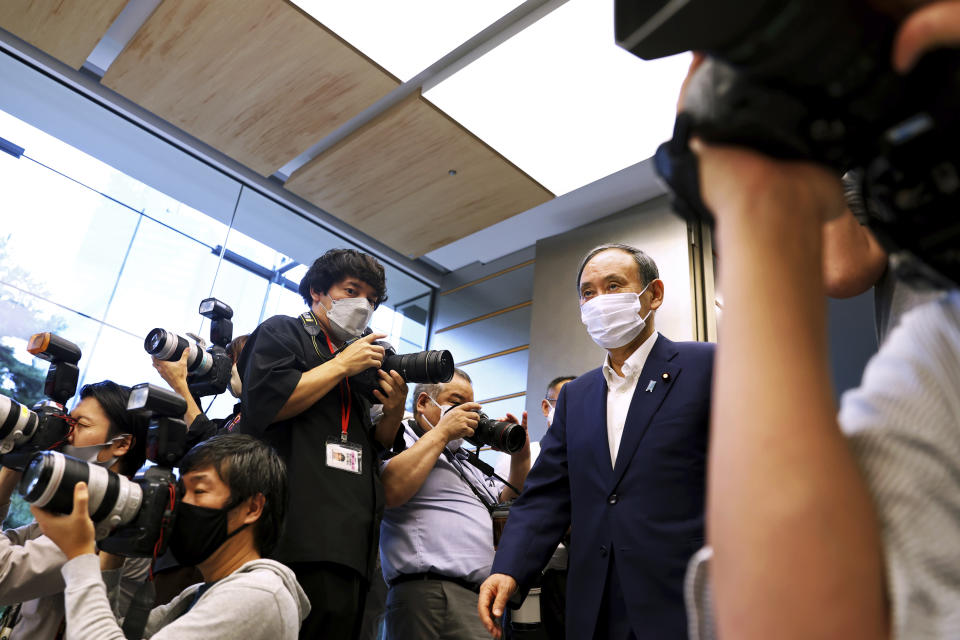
column 345, row 402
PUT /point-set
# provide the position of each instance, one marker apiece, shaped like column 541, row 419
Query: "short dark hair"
column 112, row 398
column 433, row 390
column 645, row 264
column 248, row 466
column 558, row 380
column 235, row 347
column 337, row 264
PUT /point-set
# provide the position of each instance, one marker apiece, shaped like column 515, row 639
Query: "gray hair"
column 646, row 267
column 433, row 389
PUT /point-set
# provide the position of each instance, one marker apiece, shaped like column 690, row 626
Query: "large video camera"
column 813, row 80
column 23, row 432
column 137, row 514
column 208, row 371
column 429, row 367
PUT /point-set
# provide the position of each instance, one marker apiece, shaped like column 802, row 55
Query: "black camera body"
column 23, row 432
column 429, row 367
column 149, row 532
column 508, row 437
column 208, row 370
column 812, row 80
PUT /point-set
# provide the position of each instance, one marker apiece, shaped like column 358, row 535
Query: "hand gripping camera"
column 24, row 432
column 429, row 367
column 208, row 371
column 136, row 516
column 501, row 435
column 812, row 80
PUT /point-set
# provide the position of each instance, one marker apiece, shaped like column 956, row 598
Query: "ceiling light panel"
column 406, row 37
column 563, row 102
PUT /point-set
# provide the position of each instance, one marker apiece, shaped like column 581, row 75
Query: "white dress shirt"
column 620, row 392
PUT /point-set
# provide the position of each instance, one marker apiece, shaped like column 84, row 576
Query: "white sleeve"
column 903, row 424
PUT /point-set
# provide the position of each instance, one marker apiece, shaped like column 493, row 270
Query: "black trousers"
column 553, row 603
column 337, row 595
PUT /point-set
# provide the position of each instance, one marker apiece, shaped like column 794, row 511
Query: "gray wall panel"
column 500, row 292
column 498, row 376
column 505, row 331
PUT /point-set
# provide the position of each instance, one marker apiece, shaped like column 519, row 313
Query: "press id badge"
column 345, row 456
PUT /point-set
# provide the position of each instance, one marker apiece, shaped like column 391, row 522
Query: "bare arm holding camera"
column 519, row 463
column 407, row 471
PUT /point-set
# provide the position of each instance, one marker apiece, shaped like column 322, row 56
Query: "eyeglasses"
column 551, row 401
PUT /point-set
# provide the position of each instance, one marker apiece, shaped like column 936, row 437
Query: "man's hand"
column 362, row 355
column 73, row 533
column 494, row 593
column 460, row 421
column 392, row 393
column 174, row 373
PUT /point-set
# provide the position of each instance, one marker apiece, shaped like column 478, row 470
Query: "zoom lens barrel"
column 163, row 344
column 51, row 476
column 503, row 436
column 16, row 423
column 428, row 367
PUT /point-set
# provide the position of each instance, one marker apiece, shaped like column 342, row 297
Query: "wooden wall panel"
column 256, row 79
column 67, row 30
column 392, row 180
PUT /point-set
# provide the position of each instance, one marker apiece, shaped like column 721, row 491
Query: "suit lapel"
column 645, row 404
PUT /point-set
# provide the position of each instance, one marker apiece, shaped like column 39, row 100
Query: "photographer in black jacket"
column 297, row 397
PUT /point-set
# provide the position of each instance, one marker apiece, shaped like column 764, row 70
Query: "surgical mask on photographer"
column 348, row 317
column 452, row 445
column 89, row 453
column 235, row 387
column 613, row 319
column 199, row 531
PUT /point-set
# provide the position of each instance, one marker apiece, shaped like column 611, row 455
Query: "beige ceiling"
column 263, row 82
column 68, row 31
column 392, row 179
column 256, row 79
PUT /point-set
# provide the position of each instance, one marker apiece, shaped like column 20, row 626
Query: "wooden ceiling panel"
column 393, row 180
column 256, row 79
column 68, row 31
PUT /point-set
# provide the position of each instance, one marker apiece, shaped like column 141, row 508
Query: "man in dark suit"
column 624, row 463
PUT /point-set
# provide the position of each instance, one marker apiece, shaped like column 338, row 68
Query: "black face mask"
column 198, row 532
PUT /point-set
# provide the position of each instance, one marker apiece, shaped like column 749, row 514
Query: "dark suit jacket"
column 648, row 509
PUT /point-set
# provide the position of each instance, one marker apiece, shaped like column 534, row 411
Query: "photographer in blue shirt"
column 436, row 540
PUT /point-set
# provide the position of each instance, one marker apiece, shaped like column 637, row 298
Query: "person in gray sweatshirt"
column 230, row 517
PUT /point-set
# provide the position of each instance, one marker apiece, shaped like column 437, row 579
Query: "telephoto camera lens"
column 428, row 367
column 504, row 436
column 17, row 423
column 167, row 345
column 51, row 476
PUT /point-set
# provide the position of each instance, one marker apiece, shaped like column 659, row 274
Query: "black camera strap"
column 490, row 501
column 139, row 611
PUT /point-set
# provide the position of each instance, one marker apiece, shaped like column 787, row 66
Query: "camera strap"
column 679, row 168
column 345, row 403
column 489, row 501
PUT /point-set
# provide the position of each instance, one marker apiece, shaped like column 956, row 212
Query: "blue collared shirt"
column 443, row 528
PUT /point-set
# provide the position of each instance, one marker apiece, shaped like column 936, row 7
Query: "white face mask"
column 90, row 452
column 613, row 319
column 452, row 445
column 235, row 387
column 550, row 416
column 348, row 317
